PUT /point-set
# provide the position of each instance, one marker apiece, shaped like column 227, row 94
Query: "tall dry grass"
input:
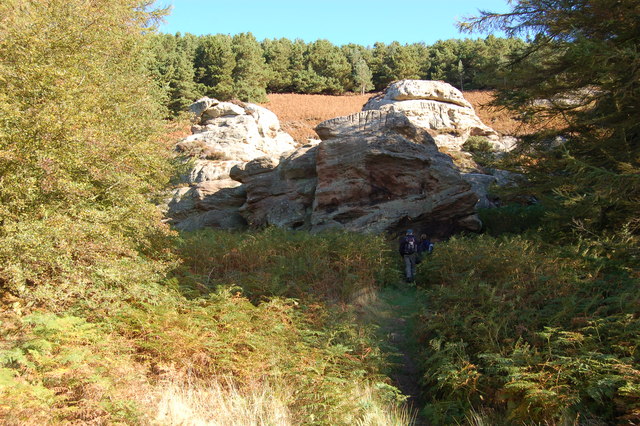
column 224, row 403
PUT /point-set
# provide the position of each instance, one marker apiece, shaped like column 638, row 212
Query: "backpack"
column 409, row 245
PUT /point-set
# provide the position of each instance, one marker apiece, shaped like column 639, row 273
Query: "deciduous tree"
column 80, row 151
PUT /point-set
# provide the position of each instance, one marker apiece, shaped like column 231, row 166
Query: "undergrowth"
column 530, row 333
column 244, row 315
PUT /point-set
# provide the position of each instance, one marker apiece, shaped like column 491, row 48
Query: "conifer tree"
column 172, row 68
column 214, row 64
column 330, row 65
column 298, row 66
column 378, row 54
column 250, row 73
column 362, row 76
column 277, row 55
column 582, row 71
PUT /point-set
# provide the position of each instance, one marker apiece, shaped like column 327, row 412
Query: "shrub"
column 329, row 266
column 477, row 144
column 200, row 149
column 534, row 332
column 511, row 219
column 80, row 150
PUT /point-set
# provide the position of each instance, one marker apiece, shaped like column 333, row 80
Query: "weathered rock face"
column 281, row 193
column 379, row 172
column 439, row 108
column 225, row 135
column 373, row 171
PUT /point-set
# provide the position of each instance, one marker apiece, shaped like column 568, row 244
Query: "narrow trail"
column 394, row 313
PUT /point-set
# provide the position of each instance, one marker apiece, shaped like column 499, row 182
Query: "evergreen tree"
column 250, row 73
column 422, row 54
column 298, row 66
column 277, row 54
column 330, row 65
column 397, row 62
column 444, row 61
column 172, row 68
column 379, row 71
column 582, row 61
column 214, row 64
column 362, row 76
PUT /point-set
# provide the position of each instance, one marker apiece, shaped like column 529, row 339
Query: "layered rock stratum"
column 439, row 108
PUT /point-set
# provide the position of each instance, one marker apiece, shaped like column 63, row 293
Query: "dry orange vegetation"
column 502, row 121
column 299, row 114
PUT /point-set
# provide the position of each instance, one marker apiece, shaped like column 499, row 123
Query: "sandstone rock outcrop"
column 439, row 108
column 377, row 171
column 225, row 135
column 374, row 171
column 279, row 193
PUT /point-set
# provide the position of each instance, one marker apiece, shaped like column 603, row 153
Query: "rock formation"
column 279, row 193
column 374, row 171
column 379, row 170
column 225, row 135
column 439, row 108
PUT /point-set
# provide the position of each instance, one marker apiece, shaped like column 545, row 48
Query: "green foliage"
column 534, row 332
column 171, row 66
column 79, row 150
column 284, row 263
column 477, row 144
column 278, row 56
column 576, row 74
column 320, row 353
column 55, row 370
column 228, row 67
column 214, row 62
column 394, row 62
column 327, row 69
column 250, row 73
column 238, row 321
column 511, row 218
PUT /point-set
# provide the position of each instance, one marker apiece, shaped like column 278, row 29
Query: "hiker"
column 409, row 252
column 425, row 247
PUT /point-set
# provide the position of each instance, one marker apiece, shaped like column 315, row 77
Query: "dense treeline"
column 225, row 67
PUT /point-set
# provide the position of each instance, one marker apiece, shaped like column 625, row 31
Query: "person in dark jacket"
column 425, row 247
column 409, row 253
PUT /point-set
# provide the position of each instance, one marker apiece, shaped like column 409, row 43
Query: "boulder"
column 206, row 204
column 282, row 193
column 374, row 171
column 439, row 108
column 480, row 184
column 405, row 90
column 379, row 172
column 201, row 105
column 225, row 135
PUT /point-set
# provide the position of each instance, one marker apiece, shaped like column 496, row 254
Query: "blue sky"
column 340, row 21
